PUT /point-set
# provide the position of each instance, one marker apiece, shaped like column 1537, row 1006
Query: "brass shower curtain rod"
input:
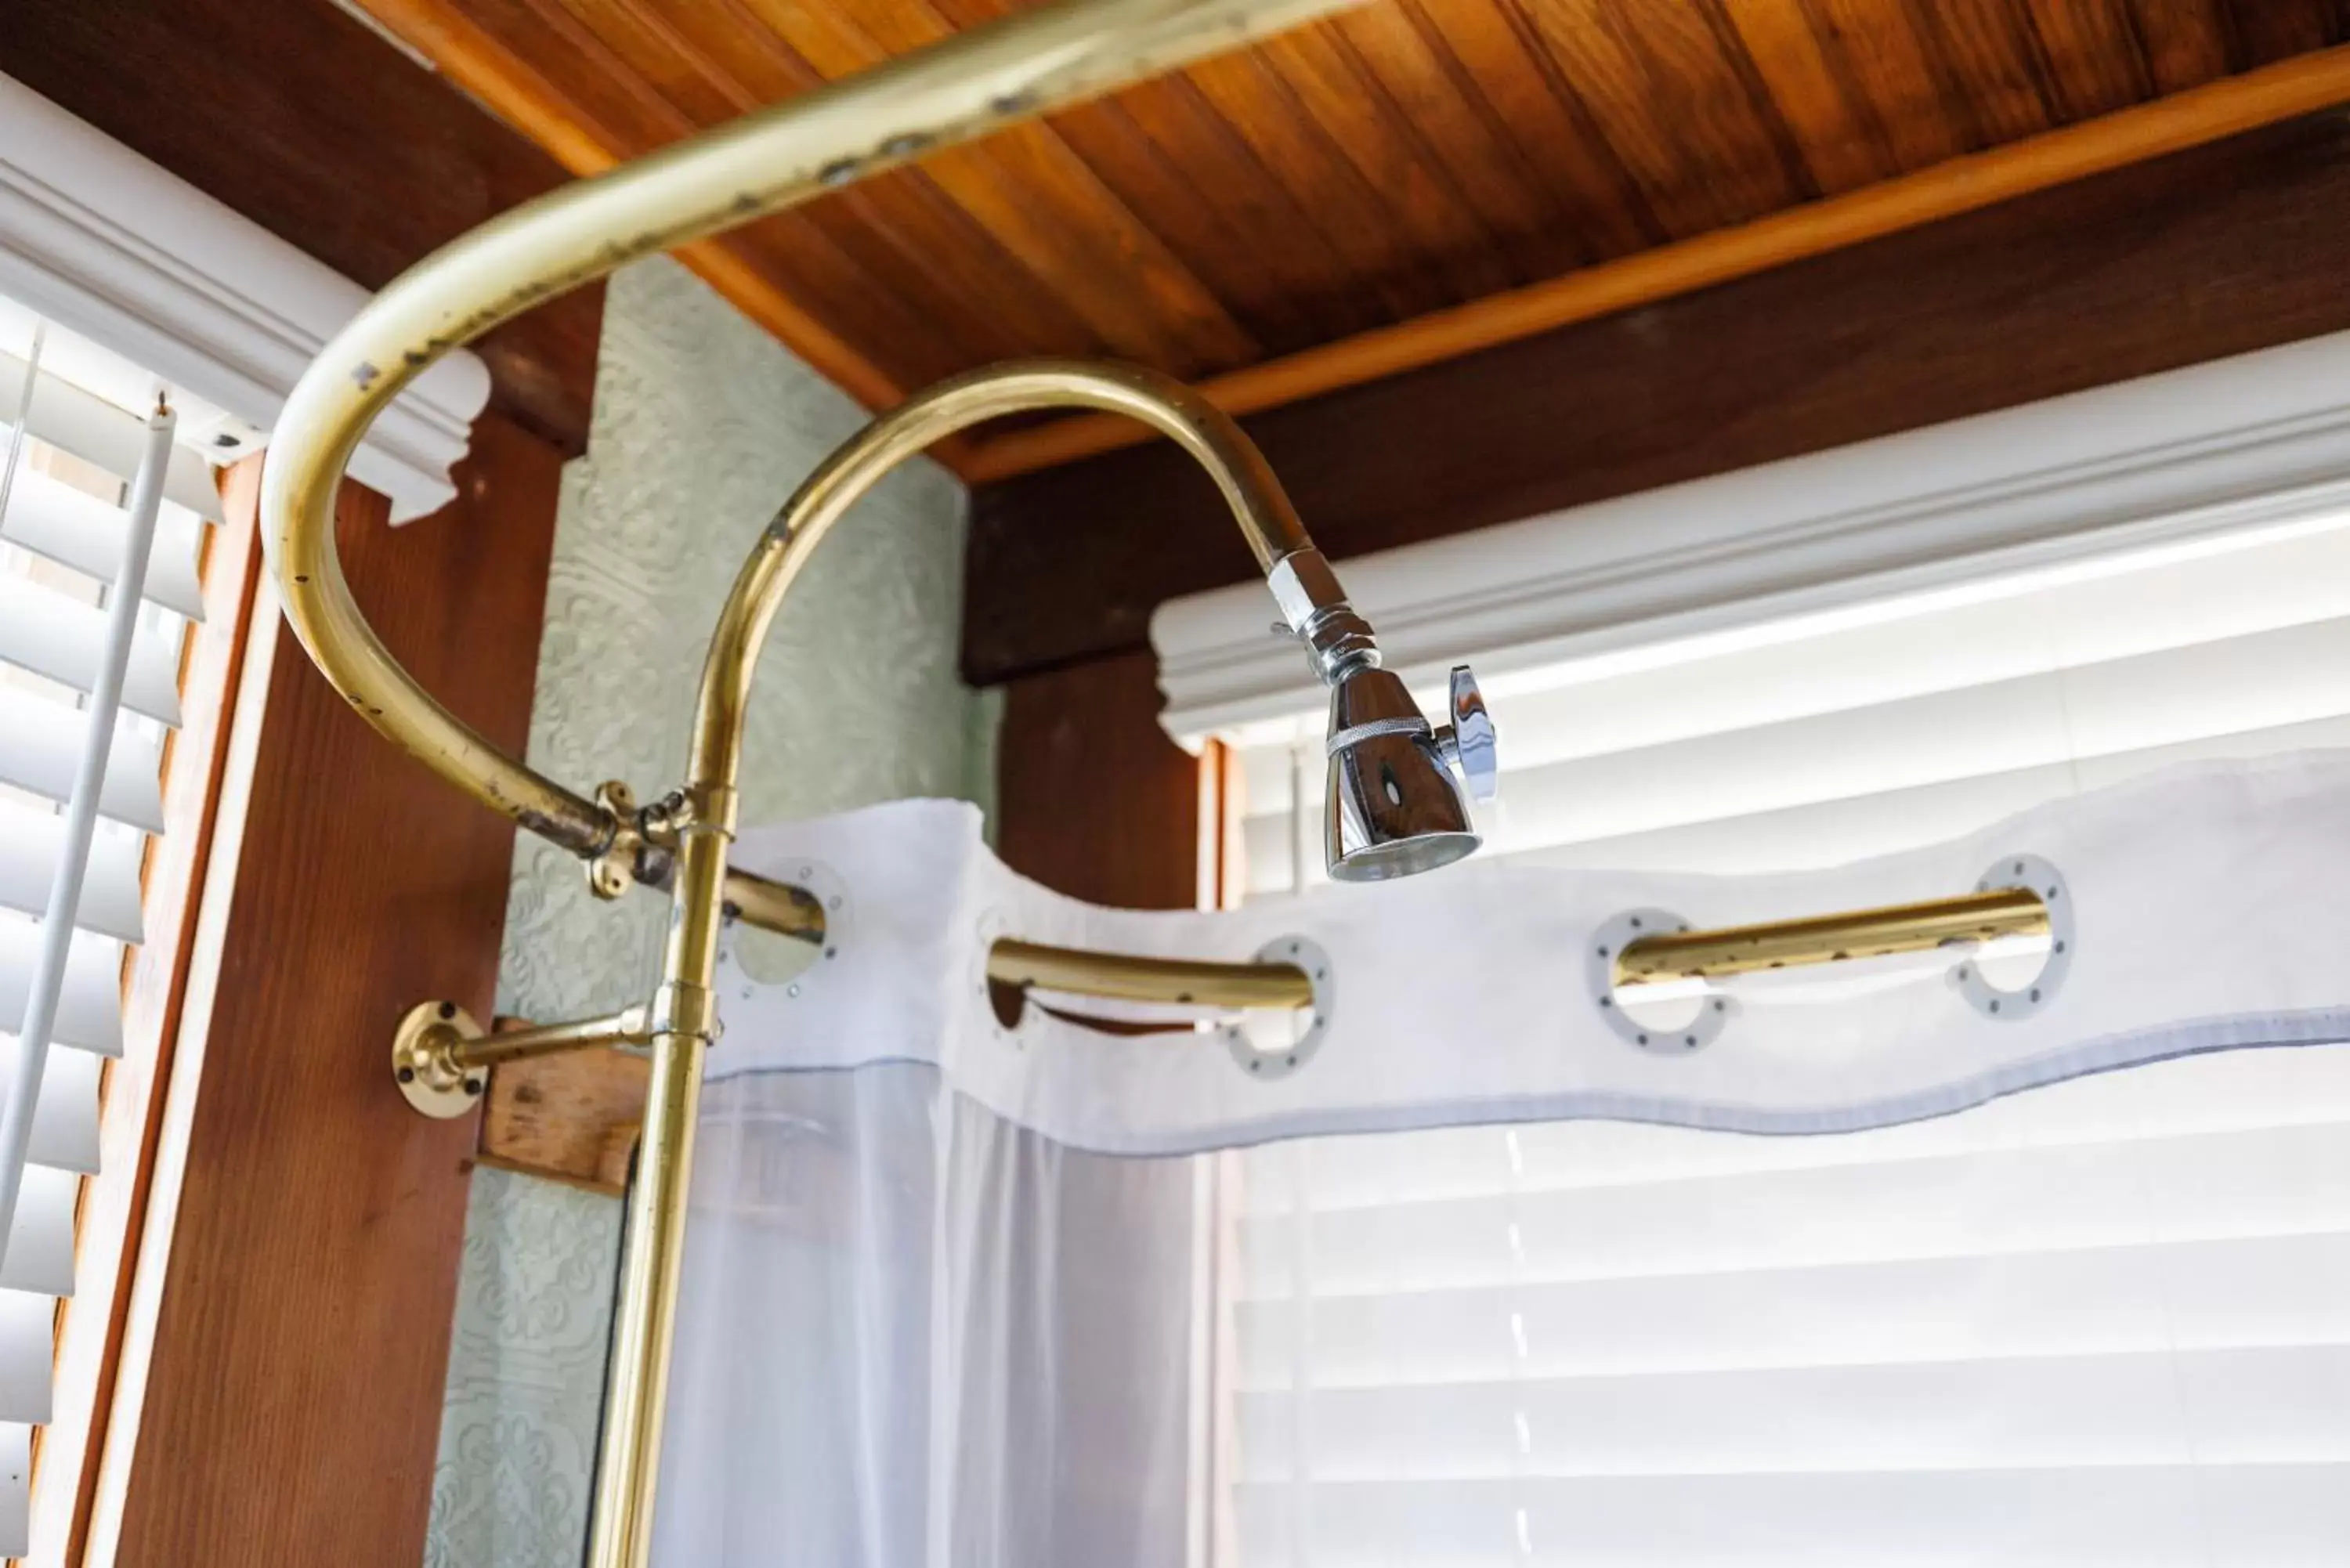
column 440, row 1054
column 1395, row 806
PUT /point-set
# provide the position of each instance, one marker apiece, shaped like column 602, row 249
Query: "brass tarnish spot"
column 746, row 201
column 364, row 377
column 1013, row 103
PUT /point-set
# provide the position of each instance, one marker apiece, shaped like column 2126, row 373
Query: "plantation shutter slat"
column 27, row 1323
column 43, row 738
column 90, row 1013
column 75, row 529
column 39, row 1255
column 29, row 844
column 47, row 634
column 2110, row 1516
column 76, row 421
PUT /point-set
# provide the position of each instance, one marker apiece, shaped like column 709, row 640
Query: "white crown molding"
column 2258, row 438
column 119, row 250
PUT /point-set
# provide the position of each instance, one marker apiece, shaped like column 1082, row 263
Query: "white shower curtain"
column 917, row 1334
column 949, row 1285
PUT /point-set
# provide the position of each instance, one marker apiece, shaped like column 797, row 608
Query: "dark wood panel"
column 1843, row 139
column 2184, row 41
column 1677, row 104
column 1092, row 798
column 2227, row 248
column 300, row 119
column 1517, row 82
column 1053, row 210
column 293, row 1401
column 2092, row 54
column 2265, row 30
column 1429, row 92
column 1394, row 164
column 910, row 221
column 1327, row 83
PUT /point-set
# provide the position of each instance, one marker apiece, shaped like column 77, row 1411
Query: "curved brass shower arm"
column 972, row 84
column 1240, row 473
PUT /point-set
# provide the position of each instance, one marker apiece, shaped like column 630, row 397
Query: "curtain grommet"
column 1599, row 975
column 2039, row 874
column 765, row 961
column 1266, row 1065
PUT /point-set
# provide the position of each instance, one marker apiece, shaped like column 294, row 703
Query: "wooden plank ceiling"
column 1392, row 166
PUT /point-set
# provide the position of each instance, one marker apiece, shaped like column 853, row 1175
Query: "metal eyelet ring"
column 1263, row 1065
column 993, row 926
column 2036, row 873
column 1600, row 978
column 737, row 982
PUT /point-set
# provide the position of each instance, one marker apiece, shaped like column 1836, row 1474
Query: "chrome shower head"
column 1394, row 807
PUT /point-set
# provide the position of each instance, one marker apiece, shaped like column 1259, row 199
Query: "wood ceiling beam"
column 480, row 63
column 589, row 93
column 2222, row 249
column 2191, row 119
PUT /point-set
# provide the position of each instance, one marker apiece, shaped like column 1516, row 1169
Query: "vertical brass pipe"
column 645, row 1314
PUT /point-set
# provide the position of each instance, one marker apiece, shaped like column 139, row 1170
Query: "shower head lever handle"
column 1469, row 743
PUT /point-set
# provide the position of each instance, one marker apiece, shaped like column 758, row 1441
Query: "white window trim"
column 118, row 250
column 2261, row 437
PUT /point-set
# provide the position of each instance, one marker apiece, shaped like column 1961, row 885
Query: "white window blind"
column 2108, row 1323
column 71, row 454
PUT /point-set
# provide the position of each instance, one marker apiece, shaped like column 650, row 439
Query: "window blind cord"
column 81, row 814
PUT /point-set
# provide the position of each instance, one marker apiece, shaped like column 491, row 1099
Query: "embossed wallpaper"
column 703, row 426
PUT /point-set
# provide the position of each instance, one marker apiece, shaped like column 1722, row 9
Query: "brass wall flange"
column 613, row 872
column 425, row 1063
column 640, row 846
